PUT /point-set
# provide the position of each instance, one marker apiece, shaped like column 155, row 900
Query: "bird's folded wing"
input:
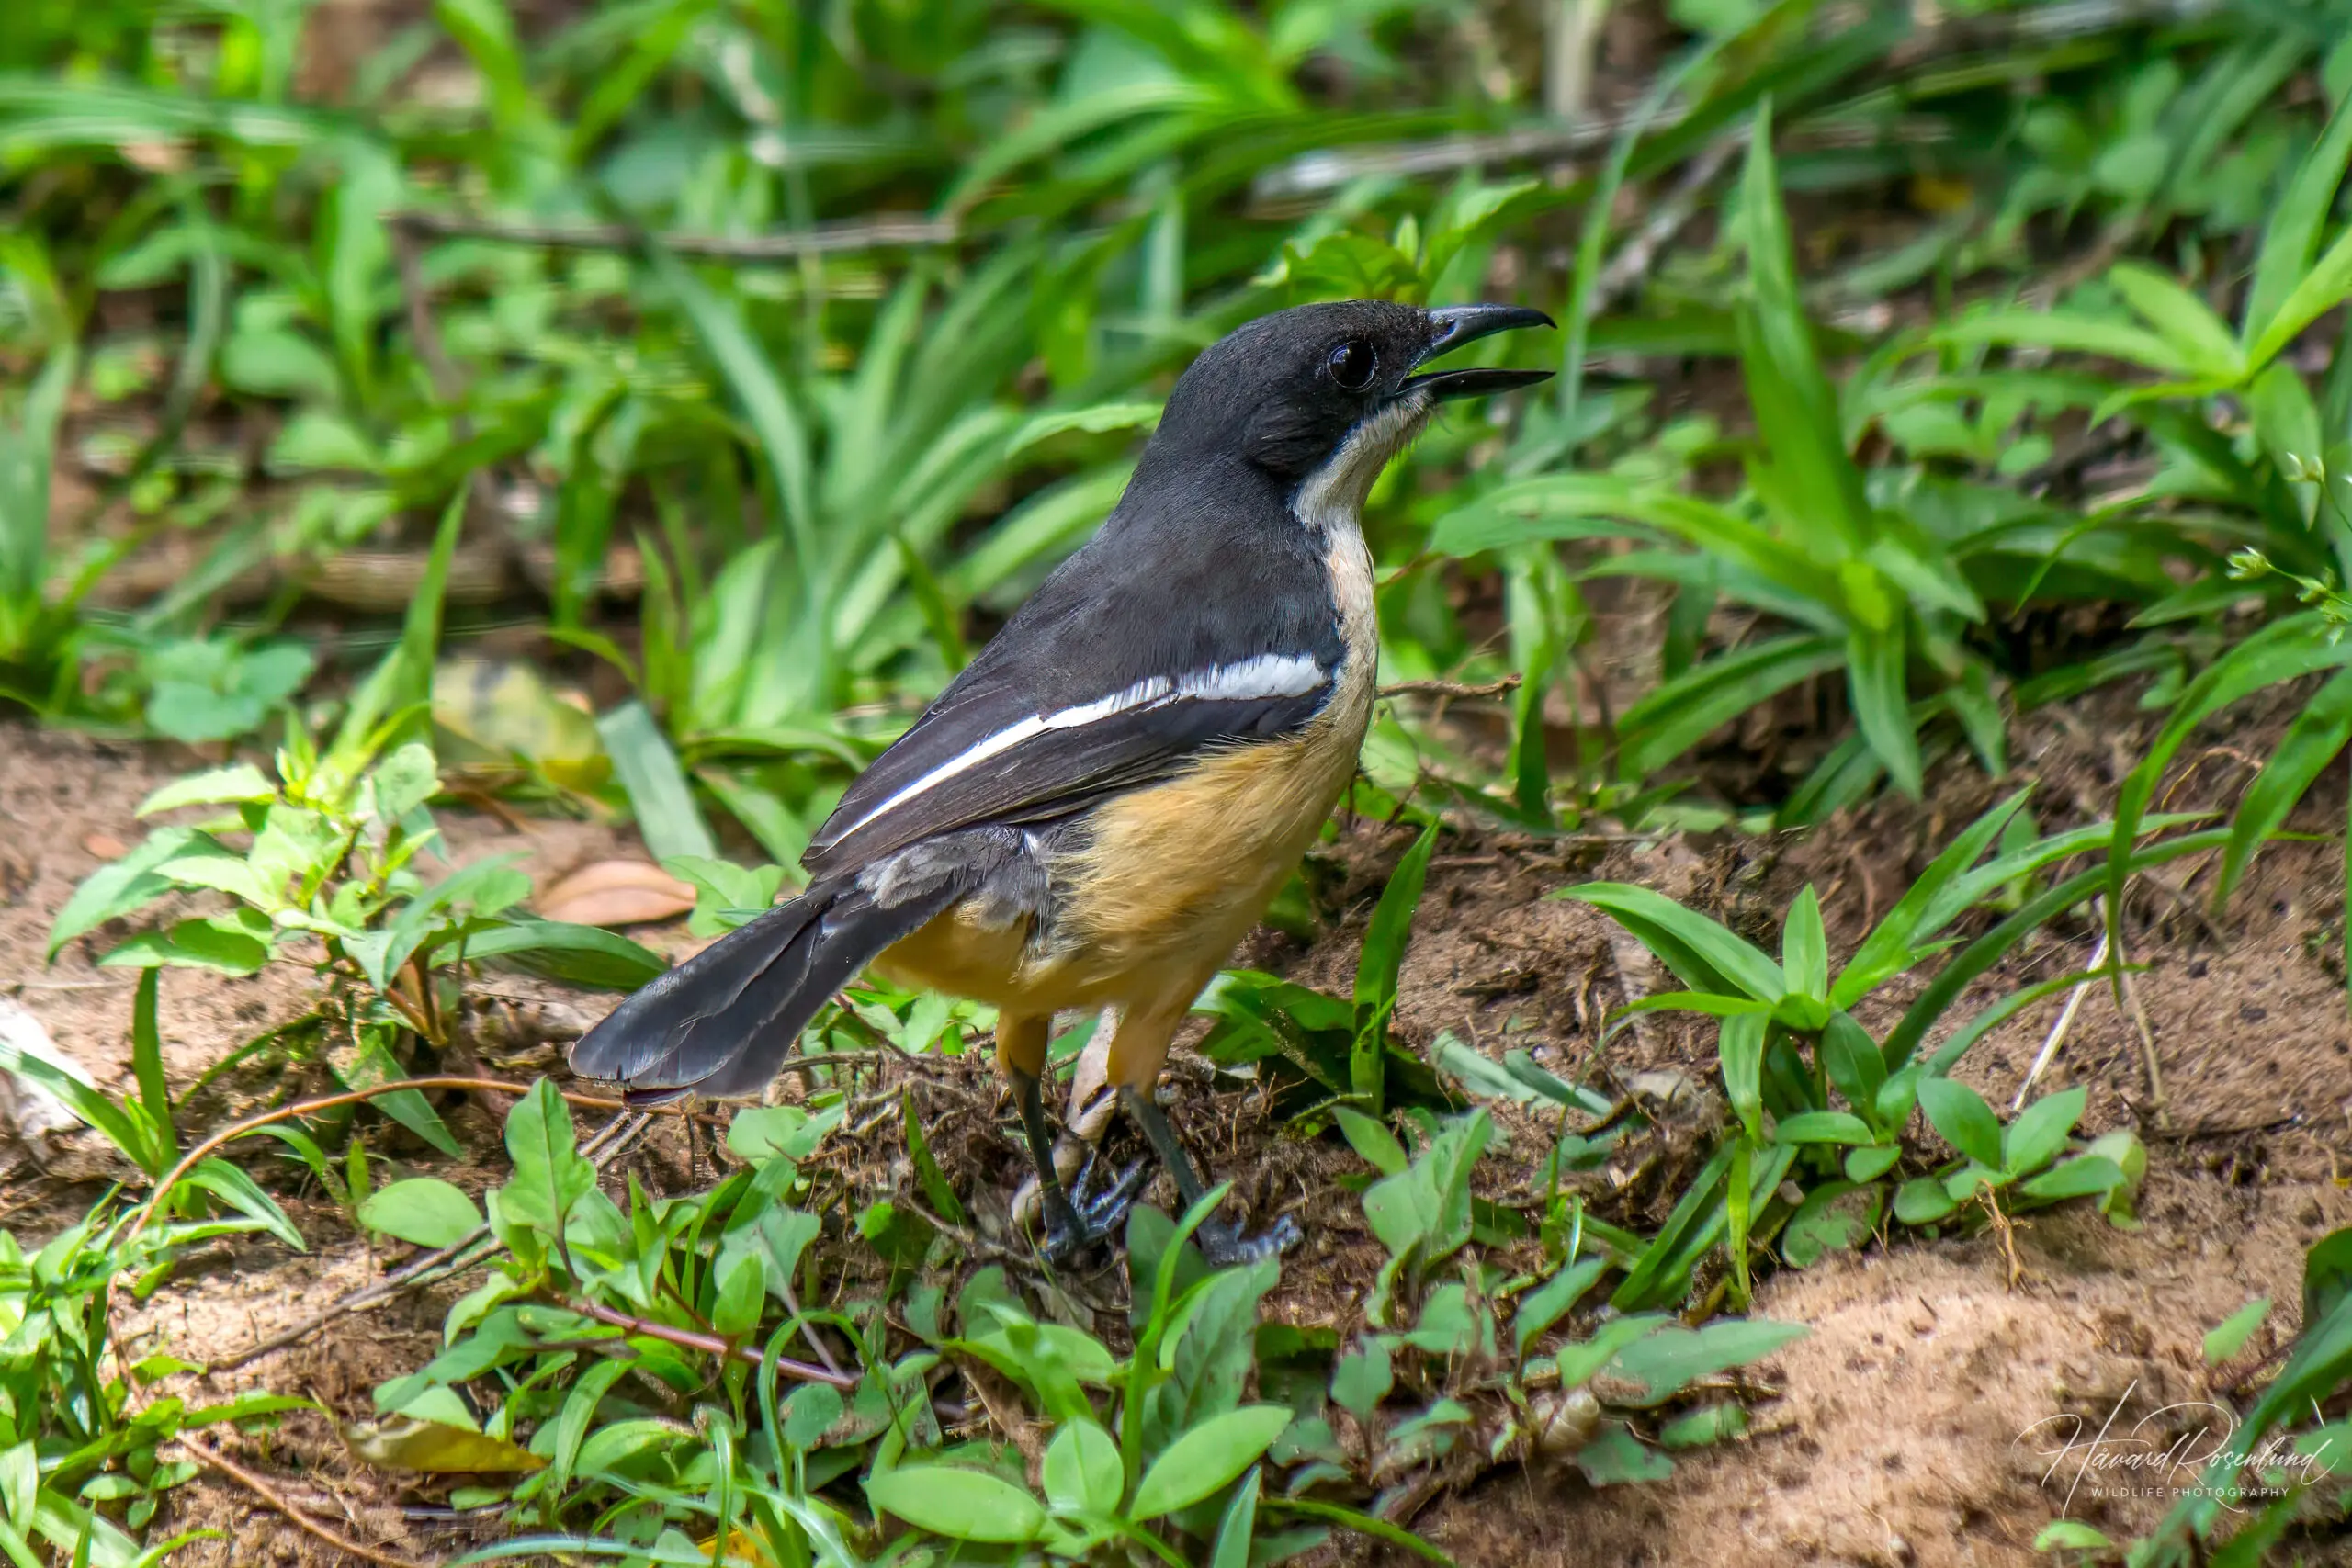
column 1000, row 756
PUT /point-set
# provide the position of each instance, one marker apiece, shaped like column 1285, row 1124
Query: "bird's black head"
column 1327, row 394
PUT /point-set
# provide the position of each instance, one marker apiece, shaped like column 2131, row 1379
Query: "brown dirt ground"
column 1897, row 1435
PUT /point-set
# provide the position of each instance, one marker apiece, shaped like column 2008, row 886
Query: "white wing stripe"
column 1267, row 675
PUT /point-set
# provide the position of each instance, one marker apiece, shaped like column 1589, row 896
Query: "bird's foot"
column 1224, row 1247
column 1083, row 1215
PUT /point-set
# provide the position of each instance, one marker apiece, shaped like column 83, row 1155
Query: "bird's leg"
column 1222, row 1245
column 1138, row 1050
column 1070, row 1223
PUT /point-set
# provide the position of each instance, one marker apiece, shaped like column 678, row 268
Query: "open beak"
column 1458, row 325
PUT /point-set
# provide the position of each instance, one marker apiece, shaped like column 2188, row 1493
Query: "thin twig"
column 709, row 1344
column 2147, row 1046
column 207, row 1454
column 2057, row 1035
column 822, row 239
column 1508, row 685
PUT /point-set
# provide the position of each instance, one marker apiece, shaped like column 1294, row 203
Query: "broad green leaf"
column 963, row 1505
column 549, row 1174
column 2084, row 1175
column 1966, row 1122
column 424, row 1211
column 238, row 782
column 1205, row 1458
column 1822, row 1127
column 580, row 956
column 656, row 785
column 1675, row 1356
column 1362, row 1378
column 1082, row 1472
column 2039, row 1131
column 1369, row 1138
column 118, row 887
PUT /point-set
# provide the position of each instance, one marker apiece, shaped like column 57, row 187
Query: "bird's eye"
column 1352, row 364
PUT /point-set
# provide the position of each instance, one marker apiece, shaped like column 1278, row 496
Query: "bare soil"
column 1909, row 1426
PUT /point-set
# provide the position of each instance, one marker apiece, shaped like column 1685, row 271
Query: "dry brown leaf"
column 617, row 893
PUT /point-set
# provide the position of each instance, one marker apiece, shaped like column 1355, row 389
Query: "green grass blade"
column 2310, row 743
column 2296, row 224
column 656, row 785
column 1875, row 673
column 1703, row 954
column 1682, row 712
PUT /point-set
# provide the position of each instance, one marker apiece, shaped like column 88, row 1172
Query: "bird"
column 1105, row 801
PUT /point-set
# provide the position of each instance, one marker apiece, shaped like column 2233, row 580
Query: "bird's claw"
column 1224, row 1247
column 1078, row 1219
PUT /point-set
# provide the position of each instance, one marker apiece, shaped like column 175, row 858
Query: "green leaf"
column 549, row 1174
column 1675, row 1356
column 154, row 1102
column 1081, row 1472
column 1375, row 1141
column 1739, row 1042
column 1617, row 1457
column 2206, row 346
column 193, row 945
column 2313, row 740
column 1876, row 676
column 964, row 1504
column 117, row 889
column 2327, row 1273
column 2321, row 290
column 2039, row 1131
column 1676, row 715
column 1362, row 1378
column 1702, row 952
column 1805, row 947
column 2085, row 1176
column 1235, row 1531
column 424, row 1211
column 1967, row 1124
column 2228, row 1337
column 237, row 782
column 1541, row 1307
column 233, row 1186
column 1206, row 1457
column 1382, row 959
column 1834, row 1216
column 579, row 955
column 1822, row 1127
column 1094, row 419
column 657, row 789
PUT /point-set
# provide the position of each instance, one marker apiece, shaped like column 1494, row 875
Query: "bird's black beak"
column 1458, row 325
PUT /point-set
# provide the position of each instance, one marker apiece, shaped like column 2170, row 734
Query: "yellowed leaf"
column 403, row 1442
column 617, row 893
column 488, row 713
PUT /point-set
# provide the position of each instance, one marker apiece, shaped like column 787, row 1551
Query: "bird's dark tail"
column 722, row 1023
